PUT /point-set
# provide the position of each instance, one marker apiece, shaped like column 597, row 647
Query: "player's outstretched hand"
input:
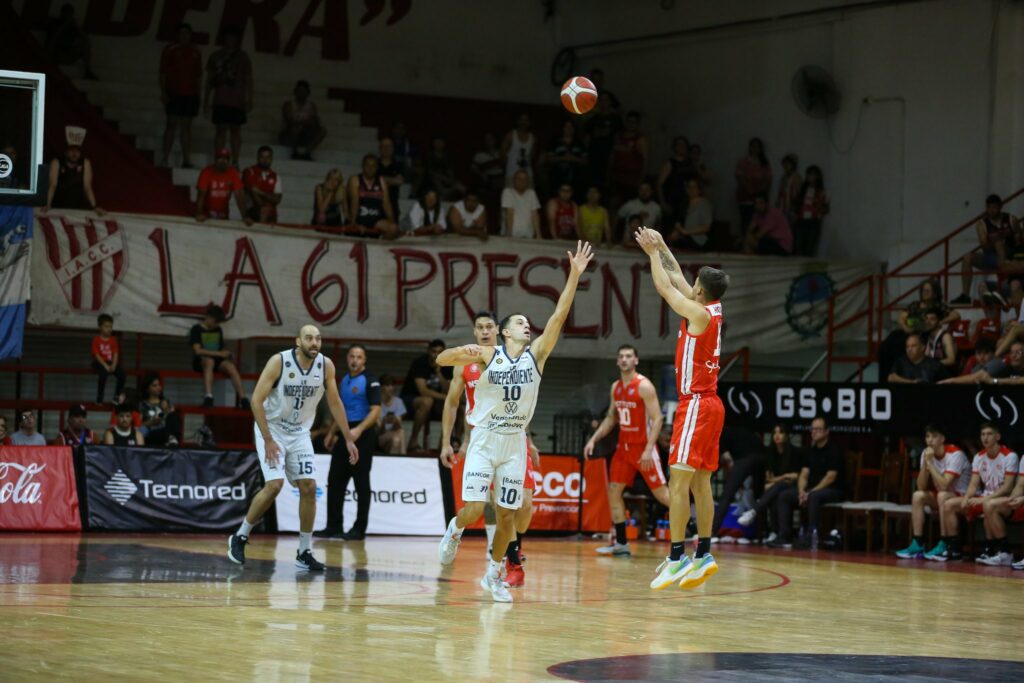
column 581, row 259
column 448, row 457
column 353, row 452
column 648, row 239
column 273, row 453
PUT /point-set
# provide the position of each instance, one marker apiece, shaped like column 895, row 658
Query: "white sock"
column 305, row 538
column 494, row 568
column 245, row 529
column 456, row 529
column 490, row 529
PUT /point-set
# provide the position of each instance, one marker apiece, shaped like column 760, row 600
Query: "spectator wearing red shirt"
column 216, row 184
column 181, row 79
column 262, row 187
column 769, row 231
column 106, row 359
column 76, row 433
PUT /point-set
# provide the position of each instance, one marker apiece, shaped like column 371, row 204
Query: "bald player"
column 284, row 406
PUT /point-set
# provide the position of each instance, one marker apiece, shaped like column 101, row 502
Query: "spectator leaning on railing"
column 468, row 216
column 997, row 371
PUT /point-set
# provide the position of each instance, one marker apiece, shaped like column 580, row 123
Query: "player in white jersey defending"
column 506, row 395
column 284, row 406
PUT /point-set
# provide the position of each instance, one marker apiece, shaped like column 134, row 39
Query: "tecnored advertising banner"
column 406, row 498
column 165, row 490
column 556, row 493
column 37, row 489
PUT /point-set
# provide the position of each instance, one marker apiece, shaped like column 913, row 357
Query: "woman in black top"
column 161, row 425
column 782, row 468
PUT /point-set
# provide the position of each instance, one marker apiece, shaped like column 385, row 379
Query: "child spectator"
column 161, row 425
column 391, row 436
column 76, row 433
column 217, row 183
column 262, row 187
column 181, row 79
column 300, row 123
column 329, row 200
column 123, row 433
column 209, row 356
column 106, row 359
column 984, row 352
column 468, row 217
column 27, row 434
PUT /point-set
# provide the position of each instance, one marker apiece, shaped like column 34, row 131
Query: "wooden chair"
column 853, row 461
column 902, row 510
column 890, row 481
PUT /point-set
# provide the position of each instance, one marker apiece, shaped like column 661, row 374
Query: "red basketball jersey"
column 697, row 357
column 631, row 410
column 470, row 374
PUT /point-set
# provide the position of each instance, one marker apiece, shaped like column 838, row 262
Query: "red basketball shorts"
column 626, row 463
column 1018, row 515
column 696, row 430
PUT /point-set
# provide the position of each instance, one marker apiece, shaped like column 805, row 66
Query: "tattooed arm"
column 671, row 266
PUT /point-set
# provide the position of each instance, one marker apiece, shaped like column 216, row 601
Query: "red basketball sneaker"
column 515, row 576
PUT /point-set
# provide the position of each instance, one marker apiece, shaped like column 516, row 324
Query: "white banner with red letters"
column 156, row 275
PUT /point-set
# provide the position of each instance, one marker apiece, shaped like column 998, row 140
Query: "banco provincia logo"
column 807, row 303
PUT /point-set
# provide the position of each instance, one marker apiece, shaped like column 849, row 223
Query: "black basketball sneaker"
column 236, row 548
column 305, row 560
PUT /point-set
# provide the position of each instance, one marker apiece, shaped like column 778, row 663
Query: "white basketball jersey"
column 291, row 407
column 506, row 393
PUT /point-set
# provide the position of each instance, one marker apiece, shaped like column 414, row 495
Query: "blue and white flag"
column 15, row 250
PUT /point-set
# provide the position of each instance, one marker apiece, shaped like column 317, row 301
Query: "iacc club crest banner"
column 158, row 274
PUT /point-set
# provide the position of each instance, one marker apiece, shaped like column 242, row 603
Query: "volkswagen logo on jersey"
column 511, row 408
column 993, row 408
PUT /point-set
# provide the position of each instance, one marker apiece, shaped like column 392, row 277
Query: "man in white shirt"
column 521, row 208
column 468, row 216
column 642, row 205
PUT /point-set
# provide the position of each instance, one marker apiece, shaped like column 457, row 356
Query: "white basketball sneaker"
column 449, row 544
column 997, row 560
column 492, row 582
column 748, row 517
column 616, row 549
column 671, row 571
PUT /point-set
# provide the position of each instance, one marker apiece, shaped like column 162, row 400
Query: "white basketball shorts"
column 497, row 458
column 295, row 459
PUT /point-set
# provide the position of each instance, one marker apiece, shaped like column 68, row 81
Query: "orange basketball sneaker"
column 515, row 574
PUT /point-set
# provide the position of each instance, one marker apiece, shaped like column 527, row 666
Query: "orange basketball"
column 579, row 95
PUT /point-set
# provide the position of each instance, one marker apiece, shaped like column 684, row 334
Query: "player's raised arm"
column 448, row 415
column 672, row 268
column 611, row 419
column 338, row 410
column 679, row 301
column 264, row 385
column 545, row 343
column 464, row 355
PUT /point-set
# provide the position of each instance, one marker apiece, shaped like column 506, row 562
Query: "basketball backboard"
column 22, row 171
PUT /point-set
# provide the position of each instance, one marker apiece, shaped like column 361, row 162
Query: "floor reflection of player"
column 697, row 426
column 284, row 407
column 485, row 329
column 634, row 408
column 506, row 396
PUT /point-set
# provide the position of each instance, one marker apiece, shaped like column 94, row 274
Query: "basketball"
column 579, row 95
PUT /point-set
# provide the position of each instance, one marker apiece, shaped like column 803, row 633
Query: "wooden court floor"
column 124, row 607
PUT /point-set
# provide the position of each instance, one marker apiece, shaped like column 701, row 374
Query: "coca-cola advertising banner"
column 556, row 494
column 146, row 489
column 37, row 489
column 157, row 275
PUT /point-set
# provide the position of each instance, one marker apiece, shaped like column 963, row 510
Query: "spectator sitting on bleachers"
column 643, row 205
column 994, row 229
column 106, row 359
column 262, row 187
column 426, row 216
column 392, row 172
column 820, row 482
column 27, row 434
column 984, row 352
column 301, row 128
column 912, row 320
column 488, row 167
column 390, row 435
column 329, row 200
column 782, row 470
column 521, row 208
column 997, row 370
column 565, row 160
column 915, row 367
column 945, row 473
column 75, row 433
column 424, row 390
column 217, row 183
column 753, row 178
column 992, row 475
column 67, row 42
column 693, row 231
column 769, row 231
column 938, row 342
column 595, row 227
column 181, row 82
column 70, row 180
column 563, row 215
column 369, row 203
column 518, row 149
column 468, row 216
column 210, row 356
column 161, row 424
column 997, row 509
column 229, row 87
column 123, row 433
column 439, row 172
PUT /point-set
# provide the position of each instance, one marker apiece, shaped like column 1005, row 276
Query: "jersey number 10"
column 513, row 392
